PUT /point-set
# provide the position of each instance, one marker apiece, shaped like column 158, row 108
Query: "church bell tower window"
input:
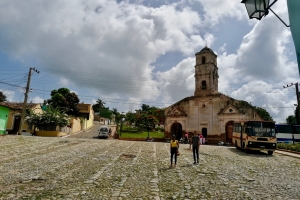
column 203, row 85
column 203, row 59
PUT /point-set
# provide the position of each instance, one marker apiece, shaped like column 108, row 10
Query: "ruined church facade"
column 207, row 112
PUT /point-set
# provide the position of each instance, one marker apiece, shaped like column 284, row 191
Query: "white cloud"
column 92, row 43
column 9, row 94
column 216, row 10
column 178, row 82
column 107, row 48
column 37, row 99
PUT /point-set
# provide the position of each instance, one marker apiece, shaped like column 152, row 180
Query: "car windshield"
column 261, row 129
column 103, row 129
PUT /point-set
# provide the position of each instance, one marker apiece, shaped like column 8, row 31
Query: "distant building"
column 86, row 112
column 14, row 115
column 208, row 111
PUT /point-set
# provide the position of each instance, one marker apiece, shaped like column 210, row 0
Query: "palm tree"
column 100, row 103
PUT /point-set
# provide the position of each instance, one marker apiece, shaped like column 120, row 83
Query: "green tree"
column 130, row 117
column 117, row 115
column 2, row 97
column 48, row 120
column 64, row 100
column 263, row 114
column 99, row 104
column 291, row 119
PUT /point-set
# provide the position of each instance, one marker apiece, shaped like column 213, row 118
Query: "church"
column 208, row 112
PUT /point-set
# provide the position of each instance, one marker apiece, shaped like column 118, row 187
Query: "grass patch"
column 142, row 135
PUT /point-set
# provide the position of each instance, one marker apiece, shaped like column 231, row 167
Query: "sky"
column 133, row 52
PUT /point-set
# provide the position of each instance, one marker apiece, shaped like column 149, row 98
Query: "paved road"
column 88, row 134
column 75, row 168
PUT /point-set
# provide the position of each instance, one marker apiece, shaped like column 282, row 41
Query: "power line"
column 1, row 82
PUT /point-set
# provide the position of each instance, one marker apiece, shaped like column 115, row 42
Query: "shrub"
column 48, row 120
column 292, row 147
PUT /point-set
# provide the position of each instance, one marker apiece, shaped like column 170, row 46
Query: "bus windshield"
column 261, row 129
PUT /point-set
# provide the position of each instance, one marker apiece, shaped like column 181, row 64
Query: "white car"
column 103, row 132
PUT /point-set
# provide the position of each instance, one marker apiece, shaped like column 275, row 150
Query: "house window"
column 203, row 59
column 203, row 85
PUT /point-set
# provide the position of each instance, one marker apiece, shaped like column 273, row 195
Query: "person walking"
column 186, row 138
column 196, row 145
column 201, row 139
column 174, row 146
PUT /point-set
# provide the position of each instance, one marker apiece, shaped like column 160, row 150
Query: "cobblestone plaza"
column 75, row 168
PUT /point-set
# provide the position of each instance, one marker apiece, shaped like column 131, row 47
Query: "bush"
column 292, row 147
column 47, row 120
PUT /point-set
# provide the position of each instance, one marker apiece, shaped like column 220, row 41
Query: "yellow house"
column 84, row 120
column 14, row 116
column 86, row 112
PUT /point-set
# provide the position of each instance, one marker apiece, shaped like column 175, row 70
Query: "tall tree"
column 64, row 100
column 263, row 114
column 130, row 117
column 150, row 116
column 2, row 97
column 99, row 104
column 291, row 119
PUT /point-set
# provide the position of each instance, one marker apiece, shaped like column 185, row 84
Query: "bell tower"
column 206, row 73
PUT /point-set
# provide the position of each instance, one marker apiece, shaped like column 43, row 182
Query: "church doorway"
column 204, row 134
column 229, row 129
column 176, row 129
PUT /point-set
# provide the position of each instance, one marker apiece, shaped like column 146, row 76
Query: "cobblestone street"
column 75, row 168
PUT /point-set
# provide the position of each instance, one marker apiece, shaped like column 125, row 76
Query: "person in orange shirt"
column 174, row 146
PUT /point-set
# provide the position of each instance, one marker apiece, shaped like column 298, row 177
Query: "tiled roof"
column 18, row 106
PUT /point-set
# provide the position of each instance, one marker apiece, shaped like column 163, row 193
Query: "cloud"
column 178, row 82
column 216, row 10
column 37, row 100
column 102, row 45
column 8, row 93
column 110, row 49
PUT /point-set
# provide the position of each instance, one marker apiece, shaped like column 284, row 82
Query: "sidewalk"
column 295, row 155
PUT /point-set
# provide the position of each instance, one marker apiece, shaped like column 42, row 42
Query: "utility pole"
column 25, row 100
column 297, row 95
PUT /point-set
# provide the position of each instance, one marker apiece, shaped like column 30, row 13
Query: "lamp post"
column 148, row 128
column 121, row 129
column 260, row 8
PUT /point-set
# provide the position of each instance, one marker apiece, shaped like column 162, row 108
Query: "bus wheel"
column 270, row 152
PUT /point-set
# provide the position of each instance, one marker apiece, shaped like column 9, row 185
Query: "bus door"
column 241, row 138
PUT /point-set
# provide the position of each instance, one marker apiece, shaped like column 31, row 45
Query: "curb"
column 289, row 151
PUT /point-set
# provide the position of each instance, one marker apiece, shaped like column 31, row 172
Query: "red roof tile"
column 18, row 106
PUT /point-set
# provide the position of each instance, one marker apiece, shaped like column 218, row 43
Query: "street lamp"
column 122, row 121
column 260, row 8
column 148, row 128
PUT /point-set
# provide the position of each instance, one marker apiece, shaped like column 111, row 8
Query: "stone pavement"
column 67, row 168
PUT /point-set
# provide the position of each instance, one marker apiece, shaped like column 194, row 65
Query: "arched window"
column 203, row 59
column 203, row 85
